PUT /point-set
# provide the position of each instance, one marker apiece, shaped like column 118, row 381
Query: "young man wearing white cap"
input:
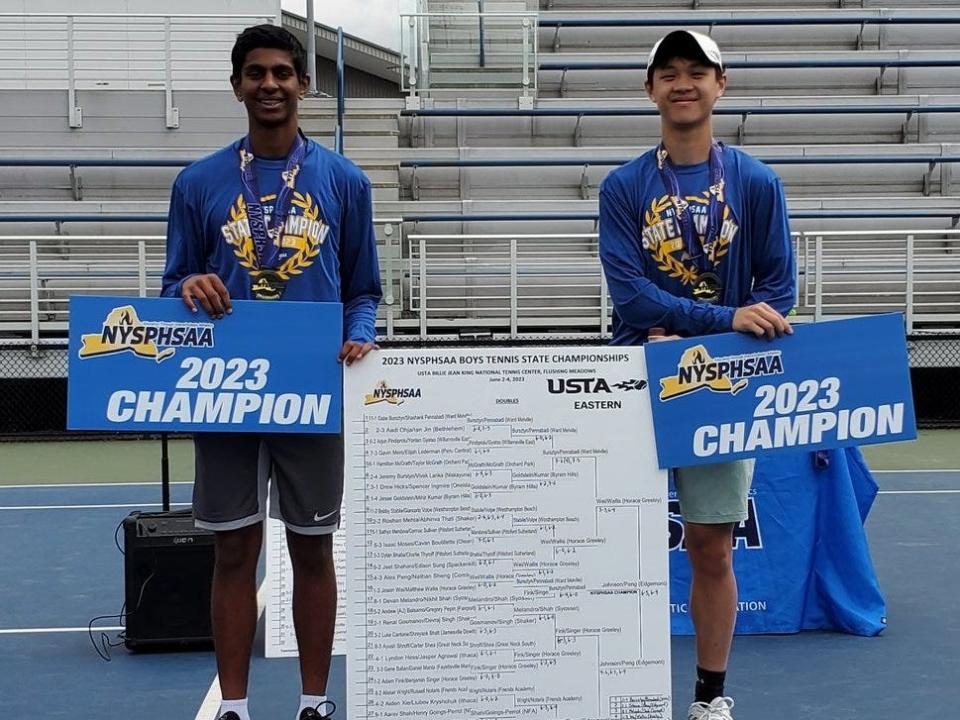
column 694, row 240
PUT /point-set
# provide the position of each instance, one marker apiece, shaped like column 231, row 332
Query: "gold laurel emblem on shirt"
column 664, row 258
column 661, row 251
column 307, row 245
column 655, row 213
column 667, row 263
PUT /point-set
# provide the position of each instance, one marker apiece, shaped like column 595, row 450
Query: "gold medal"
column 268, row 285
column 707, row 288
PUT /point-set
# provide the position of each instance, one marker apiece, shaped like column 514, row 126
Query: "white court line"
column 919, row 492
column 88, row 507
column 211, row 701
column 40, row 631
column 104, row 484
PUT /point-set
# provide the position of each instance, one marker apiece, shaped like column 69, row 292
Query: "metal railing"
column 124, row 51
column 928, row 161
column 509, row 286
column 341, row 94
column 881, row 64
column 916, row 272
column 913, row 127
column 492, row 53
column 750, row 19
column 651, row 110
column 39, row 273
column 820, row 214
column 574, row 161
column 481, row 29
column 536, row 283
column 434, row 217
column 763, row 64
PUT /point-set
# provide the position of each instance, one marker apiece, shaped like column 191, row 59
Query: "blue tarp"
column 802, row 559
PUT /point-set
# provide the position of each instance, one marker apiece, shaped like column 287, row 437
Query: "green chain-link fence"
column 935, row 374
column 33, row 390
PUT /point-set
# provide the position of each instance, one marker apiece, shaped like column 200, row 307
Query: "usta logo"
column 577, row 385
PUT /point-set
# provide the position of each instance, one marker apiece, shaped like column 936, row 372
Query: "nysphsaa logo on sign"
column 124, row 331
column 393, row 396
column 697, row 370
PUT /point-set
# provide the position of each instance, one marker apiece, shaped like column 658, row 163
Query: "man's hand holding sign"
column 208, row 290
column 759, row 319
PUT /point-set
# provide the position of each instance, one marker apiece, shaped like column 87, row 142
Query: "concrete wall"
column 37, row 120
column 215, row 7
column 123, row 45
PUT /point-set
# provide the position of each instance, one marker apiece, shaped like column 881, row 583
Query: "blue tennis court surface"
column 63, row 569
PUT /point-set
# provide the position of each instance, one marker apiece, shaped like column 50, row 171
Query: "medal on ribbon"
column 707, row 288
column 702, row 253
column 266, row 282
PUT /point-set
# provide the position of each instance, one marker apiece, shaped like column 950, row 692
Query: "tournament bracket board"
column 505, row 528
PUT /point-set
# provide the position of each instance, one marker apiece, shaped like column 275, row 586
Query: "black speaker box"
column 168, row 568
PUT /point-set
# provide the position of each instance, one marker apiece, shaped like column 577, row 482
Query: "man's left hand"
column 353, row 350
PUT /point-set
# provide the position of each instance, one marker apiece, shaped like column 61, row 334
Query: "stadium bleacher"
column 807, row 89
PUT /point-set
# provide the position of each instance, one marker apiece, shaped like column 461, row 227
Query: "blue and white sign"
column 830, row 384
column 150, row 364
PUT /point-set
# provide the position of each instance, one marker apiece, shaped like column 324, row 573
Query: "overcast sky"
column 375, row 20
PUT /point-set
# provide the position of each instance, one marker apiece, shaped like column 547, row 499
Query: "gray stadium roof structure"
column 358, row 53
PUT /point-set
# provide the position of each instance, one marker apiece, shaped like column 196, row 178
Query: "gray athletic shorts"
column 305, row 473
column 714, row 494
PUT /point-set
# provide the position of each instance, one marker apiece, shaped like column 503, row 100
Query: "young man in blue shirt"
column 694, row 239
column 270, row 216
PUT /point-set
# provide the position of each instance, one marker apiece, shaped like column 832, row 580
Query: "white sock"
column 237, row 706
column 312, row 701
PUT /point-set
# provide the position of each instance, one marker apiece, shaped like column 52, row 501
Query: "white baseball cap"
column 674, row 43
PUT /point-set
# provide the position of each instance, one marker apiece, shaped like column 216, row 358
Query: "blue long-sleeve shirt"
column 329, row 251
column 643, row 256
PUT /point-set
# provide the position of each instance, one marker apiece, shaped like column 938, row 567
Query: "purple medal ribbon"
column 266, row 240
column 697, row 250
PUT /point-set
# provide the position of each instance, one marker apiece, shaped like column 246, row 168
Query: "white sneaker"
column 719, row 709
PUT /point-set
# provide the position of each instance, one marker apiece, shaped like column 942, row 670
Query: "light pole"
column 311, row 49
